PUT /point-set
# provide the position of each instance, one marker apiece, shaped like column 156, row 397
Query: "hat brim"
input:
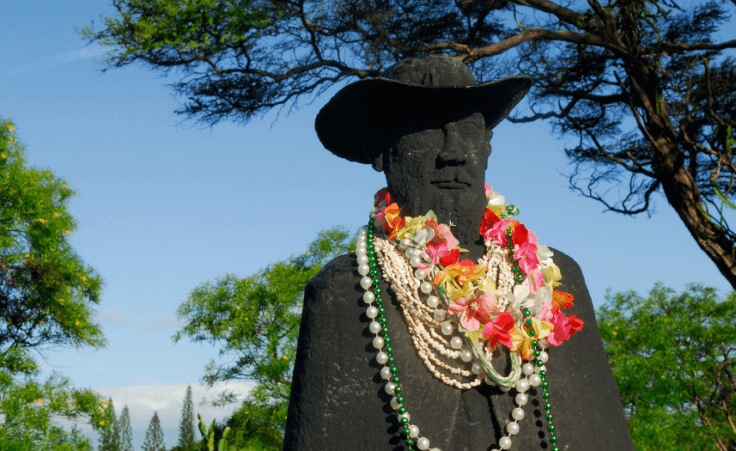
column 372, row 109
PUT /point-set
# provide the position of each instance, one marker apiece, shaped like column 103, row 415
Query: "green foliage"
column 126, row 430
column 186, row 426
column 253, row 428
column 110, row 433
column 46, row 294
column 674, row 360
column 257, row 319
column 154, row 435
column 210, row 438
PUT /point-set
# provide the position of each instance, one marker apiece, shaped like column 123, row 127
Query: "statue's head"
column 426, row 124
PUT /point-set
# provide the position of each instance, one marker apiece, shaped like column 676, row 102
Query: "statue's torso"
column 338, row 401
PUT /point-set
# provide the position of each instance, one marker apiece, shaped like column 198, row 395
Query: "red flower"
column 497, row 331
column 520, row 235
column 489, row 218
column 452, row 257
column 383, row 194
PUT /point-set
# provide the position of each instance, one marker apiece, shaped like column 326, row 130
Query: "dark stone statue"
column 427, row 126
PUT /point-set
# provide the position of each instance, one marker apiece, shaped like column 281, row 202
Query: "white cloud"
column 161, row 323
column 167, row 400
column 117, row 316
column 90, row 51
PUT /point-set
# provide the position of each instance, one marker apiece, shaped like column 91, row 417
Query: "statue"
column 391, row 356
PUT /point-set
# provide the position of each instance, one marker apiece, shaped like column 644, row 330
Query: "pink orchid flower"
column 497, row 330
column 474, row 312
column 526, row 255
column 534, row 280
column 564, row 328
column 497, row 232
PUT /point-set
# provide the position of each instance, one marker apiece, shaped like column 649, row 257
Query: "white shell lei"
column 444, row 349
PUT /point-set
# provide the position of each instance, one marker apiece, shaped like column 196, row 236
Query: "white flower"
column 496, row 198
column 544, row 255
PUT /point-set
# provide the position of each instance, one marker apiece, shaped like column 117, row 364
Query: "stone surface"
column 338, row 402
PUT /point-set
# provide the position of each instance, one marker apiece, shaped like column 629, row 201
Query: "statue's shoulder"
column 336, row 279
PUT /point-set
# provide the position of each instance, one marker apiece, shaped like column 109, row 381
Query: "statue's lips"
column 450, row 184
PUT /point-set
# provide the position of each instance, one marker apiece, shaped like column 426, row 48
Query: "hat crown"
column 431, row 71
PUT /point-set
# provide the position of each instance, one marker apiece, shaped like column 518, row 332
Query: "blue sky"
column 164, row 205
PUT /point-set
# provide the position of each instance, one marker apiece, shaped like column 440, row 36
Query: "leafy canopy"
column 46, row 294
column 256, row 320
column 674, row 360
column 642, row 89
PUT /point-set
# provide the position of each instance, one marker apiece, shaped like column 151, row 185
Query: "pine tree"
column 110, row 432
column 186, row 427
column 154, row 435
column 125, row 430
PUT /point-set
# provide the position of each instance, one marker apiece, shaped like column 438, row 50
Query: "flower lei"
column 474, row 298
column 525, row 319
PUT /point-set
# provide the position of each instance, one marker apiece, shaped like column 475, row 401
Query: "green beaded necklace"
column 382, row 342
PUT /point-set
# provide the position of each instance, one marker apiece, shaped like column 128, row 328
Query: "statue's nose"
column 453, row 149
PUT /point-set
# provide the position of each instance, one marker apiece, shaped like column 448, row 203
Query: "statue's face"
column 432, row 160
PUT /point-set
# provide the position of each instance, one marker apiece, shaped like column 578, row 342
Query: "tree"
column 641, row 85
column 187, row 439
column 126, row 430
column 110, row 435
column 154, row 435
column 256, row 319
column 674, row 360
column 46, row 293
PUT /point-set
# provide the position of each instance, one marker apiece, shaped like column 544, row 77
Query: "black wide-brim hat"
column 415, row 90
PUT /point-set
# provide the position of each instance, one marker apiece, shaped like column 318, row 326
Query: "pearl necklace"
column 371, row 250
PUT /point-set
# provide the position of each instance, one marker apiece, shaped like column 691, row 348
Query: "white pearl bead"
column 395, row 404
column 364, row 270
column 504, row 443
column 513, row 428
column 369, row 297
column 389, row 387
column 535, row 380
column 466, row 355
column 385, row 373
column 527, row 368
column 382, row 358
column 439, row 314
column 413, row 431
column 403, row 244
column 423, row 443
column 374, row 327
column 476, row 369
column 405, row 415
column 518, row 414
column 378, row 342
column 540, row 368
column 522, row 385
column 447, row 329
column 366, row 282
column 414, row 261
column 521, row 399
column 419, row 274
column 425, row 287
column 435, row 449
column 432, row 302
column 543, row 343
column 543, row 356
column 410, row 253
column 456, row 342
column 371, row 312
column 362, row 259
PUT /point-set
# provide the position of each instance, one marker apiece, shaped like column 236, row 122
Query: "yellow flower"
column 3, row 155
column 41, row 220
column 284, row 357
column 12, row 140
column 41, row 322
column 64, row 185
column 40, row 401
column 84, row 278
column 56, row 215
column 102, row 422
column 102, row 400
column 238, row 307
column 28, row 255
column 552, row 276
column 67, row 232
column 11, row 128
column 76, row 322
column 61, row 301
